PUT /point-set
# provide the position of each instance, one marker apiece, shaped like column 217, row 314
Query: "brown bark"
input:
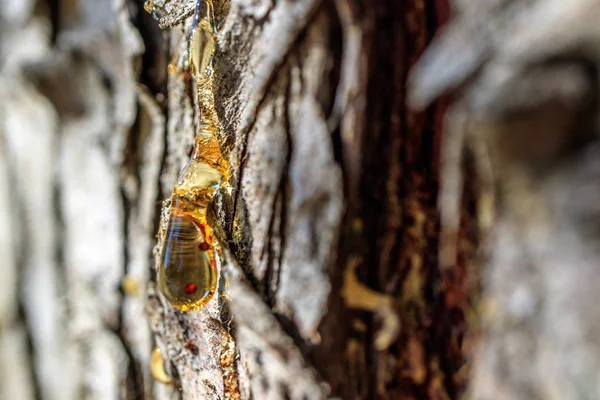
column 528, row 87
column 334, row 190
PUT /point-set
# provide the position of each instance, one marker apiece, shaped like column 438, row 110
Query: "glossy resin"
column 187, row 271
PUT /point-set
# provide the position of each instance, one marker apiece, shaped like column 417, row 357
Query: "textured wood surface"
column 331, row 285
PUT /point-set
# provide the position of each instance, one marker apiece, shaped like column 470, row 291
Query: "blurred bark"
column 78, row 217
column 330, row 285
column 525, row 77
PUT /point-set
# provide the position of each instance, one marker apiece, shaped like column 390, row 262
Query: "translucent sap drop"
column 187, row 274
column 188, row 277
column 157, row 368
column 202, row 38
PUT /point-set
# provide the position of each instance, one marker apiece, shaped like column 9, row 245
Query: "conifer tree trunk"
column 330, row 282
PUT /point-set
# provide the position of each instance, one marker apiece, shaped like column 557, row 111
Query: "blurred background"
column 77, row 215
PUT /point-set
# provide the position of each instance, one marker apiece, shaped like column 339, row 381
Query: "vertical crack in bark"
column 273, row 269
column 35, row 382
column 245, row 130
column 402, row 240
column 269, row 290
column 54, row 11
column 284, row 186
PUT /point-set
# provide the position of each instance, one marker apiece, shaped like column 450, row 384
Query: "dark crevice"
column 153, row 71
column 244, row 153
column 241, row 162
column 22, row 315
column 289, row 327
column 35, row 382
column 283, row 193
column 268, row 291
column 134, row 380
column 448, row 321
column 400, row 181
column 54, row 11
column 384, row 61
column 336, row 42
column 276, row 278
column 338, row 156
column 152, row 75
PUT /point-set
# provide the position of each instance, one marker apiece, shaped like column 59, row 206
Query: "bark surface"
column 328, row 282
column 335, row 281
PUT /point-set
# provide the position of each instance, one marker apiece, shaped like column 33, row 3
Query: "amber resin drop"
column 187, row 273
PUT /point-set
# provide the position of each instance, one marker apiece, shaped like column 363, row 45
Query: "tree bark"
column 529, row 88
column 330, row 285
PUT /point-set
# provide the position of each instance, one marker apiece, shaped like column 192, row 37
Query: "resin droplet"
column 202, row 38
column 131, row 286
column 157, row 367
column 187, row 273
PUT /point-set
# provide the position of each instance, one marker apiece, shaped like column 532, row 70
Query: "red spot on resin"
column 204, row 246
column 190, row 288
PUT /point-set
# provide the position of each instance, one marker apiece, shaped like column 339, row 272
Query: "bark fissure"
column 245, row 131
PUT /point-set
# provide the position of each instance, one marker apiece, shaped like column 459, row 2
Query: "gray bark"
column 68, row 97
column 85, row 165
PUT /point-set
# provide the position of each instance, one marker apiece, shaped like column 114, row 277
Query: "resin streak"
column 187, row 273
column 202, row 39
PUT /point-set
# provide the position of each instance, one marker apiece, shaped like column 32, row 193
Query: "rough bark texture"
column 330, row 283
